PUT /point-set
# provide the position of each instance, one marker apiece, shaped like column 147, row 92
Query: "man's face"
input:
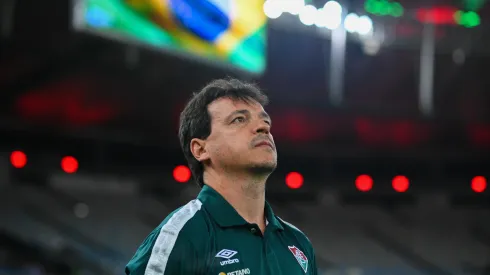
column 240, row 136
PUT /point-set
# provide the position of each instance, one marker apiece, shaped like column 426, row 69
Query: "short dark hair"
column 195, row 120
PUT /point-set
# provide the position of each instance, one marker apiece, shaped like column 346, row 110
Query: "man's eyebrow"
column 265, row 115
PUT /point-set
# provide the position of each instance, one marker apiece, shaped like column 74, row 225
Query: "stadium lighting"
column 334, row 22
column 308, row 15
column 383, row 8
column 182, row 174
column 365, row 25
column 294, row 180
column 326, row 19
column 332, row 8
column 400, row 183
column 330, row 16
column 292, row 6
column 69, row 164
column 18, row 159
column 273, row 9
column 479, row 184
column 362, row 25
column 469, row 19
column 321, row 20
column 351, row 22
column 364, row 183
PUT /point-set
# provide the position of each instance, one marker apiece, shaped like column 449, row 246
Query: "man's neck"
column 245, row 194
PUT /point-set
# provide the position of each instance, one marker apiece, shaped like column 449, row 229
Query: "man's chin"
column 263, row 168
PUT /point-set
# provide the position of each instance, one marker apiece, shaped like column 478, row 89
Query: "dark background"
column 115, row 106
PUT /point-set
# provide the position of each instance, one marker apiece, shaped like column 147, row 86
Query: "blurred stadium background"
column 381, row 114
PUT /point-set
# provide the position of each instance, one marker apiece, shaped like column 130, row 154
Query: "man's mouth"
column 264, row 143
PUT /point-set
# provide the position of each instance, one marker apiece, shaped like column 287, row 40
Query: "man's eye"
column 238, row 120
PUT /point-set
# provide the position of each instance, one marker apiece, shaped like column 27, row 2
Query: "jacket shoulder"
column 187, row 224
column 197, row 229
column 303, row 242
column 299, row 235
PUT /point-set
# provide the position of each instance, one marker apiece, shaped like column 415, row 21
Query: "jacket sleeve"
column 164, row 255
column 314, row 267
column 312, row 257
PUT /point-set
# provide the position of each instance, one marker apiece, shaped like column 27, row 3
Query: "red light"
column 294, row 180
column 364, row 183
column 69, row 164
column 479, row 184
column 400, row 183
column 18, row 159
column 441, row 15
column 182, row 173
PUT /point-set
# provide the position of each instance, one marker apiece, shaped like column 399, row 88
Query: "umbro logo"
column 227, row 254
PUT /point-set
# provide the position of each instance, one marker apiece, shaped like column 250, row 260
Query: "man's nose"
column 263, row 128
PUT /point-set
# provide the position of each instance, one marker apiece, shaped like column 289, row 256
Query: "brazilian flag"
column 227, row 31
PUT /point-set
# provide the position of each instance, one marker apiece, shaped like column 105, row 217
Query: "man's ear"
column 198, row 149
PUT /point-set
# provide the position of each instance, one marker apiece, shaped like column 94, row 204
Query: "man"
column 229, row 229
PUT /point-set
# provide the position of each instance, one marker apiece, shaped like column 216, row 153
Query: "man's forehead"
column 224, row 106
